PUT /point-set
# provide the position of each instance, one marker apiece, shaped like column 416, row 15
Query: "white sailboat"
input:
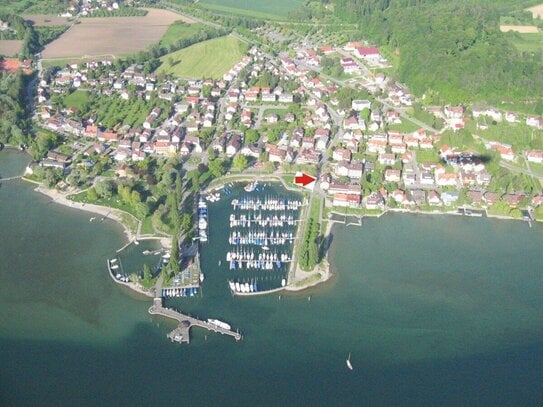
column 348, row 361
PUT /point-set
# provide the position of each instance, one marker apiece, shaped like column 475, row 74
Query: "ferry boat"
column 218, row 323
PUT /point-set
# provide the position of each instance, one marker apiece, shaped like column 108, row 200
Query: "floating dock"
column 182, row 333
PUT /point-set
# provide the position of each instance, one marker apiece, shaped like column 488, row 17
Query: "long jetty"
column 182, row 332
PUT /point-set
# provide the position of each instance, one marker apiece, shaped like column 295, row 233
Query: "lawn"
column 76, row 99
column 406, row 126
column 253, row 8
column 428, row 156
column 208, row 59
column 519, row 135
column 178, row 31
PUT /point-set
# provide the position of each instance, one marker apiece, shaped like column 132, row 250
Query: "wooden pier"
column 182, row 332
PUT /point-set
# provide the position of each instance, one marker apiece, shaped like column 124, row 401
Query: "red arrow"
column 304, row 179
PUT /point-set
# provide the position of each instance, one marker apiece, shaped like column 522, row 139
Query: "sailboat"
column 348, row 361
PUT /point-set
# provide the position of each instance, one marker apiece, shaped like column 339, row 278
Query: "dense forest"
column 13, row 120
column 451, row 48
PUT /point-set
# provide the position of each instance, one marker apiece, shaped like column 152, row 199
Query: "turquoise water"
column 435, row 310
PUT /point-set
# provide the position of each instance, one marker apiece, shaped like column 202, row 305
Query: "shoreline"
column 322, row 270
column 106, row 212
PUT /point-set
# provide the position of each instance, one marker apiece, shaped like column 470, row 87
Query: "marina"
column 261, row 231
column 202, row 220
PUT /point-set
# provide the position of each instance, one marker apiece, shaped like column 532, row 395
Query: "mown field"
column 10, row 48
column 208, row 59
column 76, row 99
column 528, row 42
column 112, row 35
column 178, row 31
column 255, row 8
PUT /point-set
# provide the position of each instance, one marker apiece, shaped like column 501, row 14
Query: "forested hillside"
column 13, row 120
column 454, row 48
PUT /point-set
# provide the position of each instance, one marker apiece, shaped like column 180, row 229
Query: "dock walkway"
column 181, row 333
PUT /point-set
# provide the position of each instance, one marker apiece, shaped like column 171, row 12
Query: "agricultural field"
column 112, row 35
column 523, row 29
column 208, row 59
column 178, row 31
column 253, row 8
column 10, row 48
column 537, row 11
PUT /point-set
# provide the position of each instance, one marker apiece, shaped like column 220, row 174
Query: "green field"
column 405, row 126
column 76, row 99
column 253, row 8
column 208, row 59
column 529, row 42
column 178, row 31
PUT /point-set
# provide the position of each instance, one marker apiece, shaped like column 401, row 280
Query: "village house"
column 251, row 151
column 434, row 199
column 234, row 145
column 511, row 117
column 449, row 197
column 368, row 54
column 277, row 155
column 341, row 154
column 534, row 156
column 392, row 175
column 387, row 159
column 445, row 179
column 351, row 170
column 534, row 121
column 475, row 197
column 359, row 105
column 374, row 201
column 346, row 200
column 376, row 145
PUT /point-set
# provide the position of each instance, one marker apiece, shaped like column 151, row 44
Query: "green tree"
column 251, row 136
column 105, row 188
column 92, row 195
column 240, row 162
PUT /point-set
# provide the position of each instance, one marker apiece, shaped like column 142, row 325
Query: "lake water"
column 435, row 311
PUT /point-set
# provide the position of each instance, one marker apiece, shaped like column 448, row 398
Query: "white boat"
column 202, row 224
column 238, row 288
column 113, row 260
column 250, row 187
column 136, row 242
column 283, row 282
column 220, row 324
column 232, row 286
column 202, row 277
column 115, row 267
column 348, row 361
